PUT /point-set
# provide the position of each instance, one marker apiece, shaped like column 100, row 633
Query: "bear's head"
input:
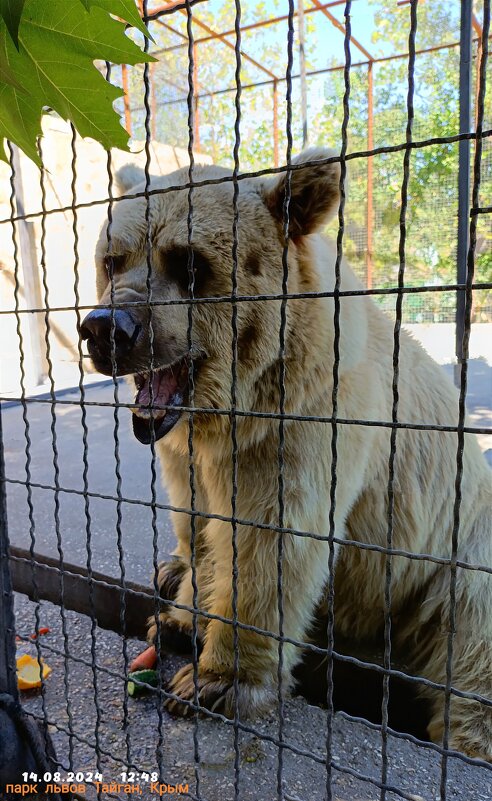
column 219, row 244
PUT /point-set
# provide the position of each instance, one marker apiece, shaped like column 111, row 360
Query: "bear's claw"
column 216, row 692
column 213, row 692
column 169, row 578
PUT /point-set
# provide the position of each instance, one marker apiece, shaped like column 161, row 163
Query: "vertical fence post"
column 275, row 123
column 370, row 146
column 478, row 30
column 8, row 676
column 463, row 174
column 126, row 98
column 153, row 103
column 196, row 117
column 302, row 65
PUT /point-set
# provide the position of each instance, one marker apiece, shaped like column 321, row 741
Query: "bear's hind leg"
column 470, row 719
column 470, row 729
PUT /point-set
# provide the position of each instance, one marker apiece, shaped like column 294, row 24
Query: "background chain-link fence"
column 87, row 516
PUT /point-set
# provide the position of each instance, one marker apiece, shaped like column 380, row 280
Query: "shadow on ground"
column 357, row 690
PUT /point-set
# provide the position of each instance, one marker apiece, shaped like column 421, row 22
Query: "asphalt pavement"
column 94, row 726
column 63, row 516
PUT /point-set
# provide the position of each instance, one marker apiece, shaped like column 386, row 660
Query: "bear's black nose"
column 97, row 327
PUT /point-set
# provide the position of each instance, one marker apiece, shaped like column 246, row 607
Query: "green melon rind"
column 139, row 681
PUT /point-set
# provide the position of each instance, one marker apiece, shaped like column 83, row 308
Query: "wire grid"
column 191, row 383
column 334, row 398
column 234, row 356
column 463, row 388
column 394, row 411
column 386, row 670
column 373, row 257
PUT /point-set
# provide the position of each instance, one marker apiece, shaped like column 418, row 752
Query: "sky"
column 330, row 41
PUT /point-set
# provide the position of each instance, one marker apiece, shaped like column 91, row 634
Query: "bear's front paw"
column 169, row 577
column 216, row 692
column 175, row 637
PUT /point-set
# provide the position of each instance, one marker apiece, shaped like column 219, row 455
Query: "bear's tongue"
column 160, row 388
column 155, row 390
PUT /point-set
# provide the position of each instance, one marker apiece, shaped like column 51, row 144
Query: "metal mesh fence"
column 399, row 280
column 376, row 120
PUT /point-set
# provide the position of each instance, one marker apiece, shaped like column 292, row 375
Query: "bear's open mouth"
column 158, row 393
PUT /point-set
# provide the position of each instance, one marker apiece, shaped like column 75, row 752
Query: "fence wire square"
column 96, row 726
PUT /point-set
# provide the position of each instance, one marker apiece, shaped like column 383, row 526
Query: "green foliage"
column 431, row 216
column 81, row 31
column 11, row 12
column 48, row 61
column 125, row 9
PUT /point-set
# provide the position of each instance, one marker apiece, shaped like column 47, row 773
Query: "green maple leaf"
column 7, row 74
column 20, row 121
column 58, row 43
column 11, row 11
column 125, row 9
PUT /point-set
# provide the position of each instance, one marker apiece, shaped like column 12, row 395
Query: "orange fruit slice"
column 29, row 671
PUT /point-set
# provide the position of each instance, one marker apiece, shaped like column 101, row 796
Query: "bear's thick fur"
column 425, row 465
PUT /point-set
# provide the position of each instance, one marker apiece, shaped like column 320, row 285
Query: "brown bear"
column 182, row 359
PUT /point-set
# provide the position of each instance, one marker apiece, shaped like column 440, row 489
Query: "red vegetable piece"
column 144, row 661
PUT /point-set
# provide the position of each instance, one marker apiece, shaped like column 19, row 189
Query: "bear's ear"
column 314, row 192
column 128, row 176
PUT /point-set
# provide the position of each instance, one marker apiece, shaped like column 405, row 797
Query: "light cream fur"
column 425, row 464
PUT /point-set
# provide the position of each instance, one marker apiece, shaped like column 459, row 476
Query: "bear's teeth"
column 157, row 414
column 141, row 379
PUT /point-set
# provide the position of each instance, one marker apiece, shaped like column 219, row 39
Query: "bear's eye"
column 114, row 263
column 177, row 262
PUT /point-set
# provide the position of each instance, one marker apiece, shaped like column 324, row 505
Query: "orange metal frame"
column 272, row 79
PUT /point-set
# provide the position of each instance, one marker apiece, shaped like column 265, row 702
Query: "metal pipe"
column 302, row 65
column 463, row 172
column 222, row 38
column 169, row 8
column 341, row 28
column 283, row 18
column 171, row 30
column 102, row 600
column 153, row 106
column 370, row 146
column 311, row 73
column 126, row 98
column 477, row 27
column 262, row 23
column 275, row 123
column 477, row 79
column 196, row 114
